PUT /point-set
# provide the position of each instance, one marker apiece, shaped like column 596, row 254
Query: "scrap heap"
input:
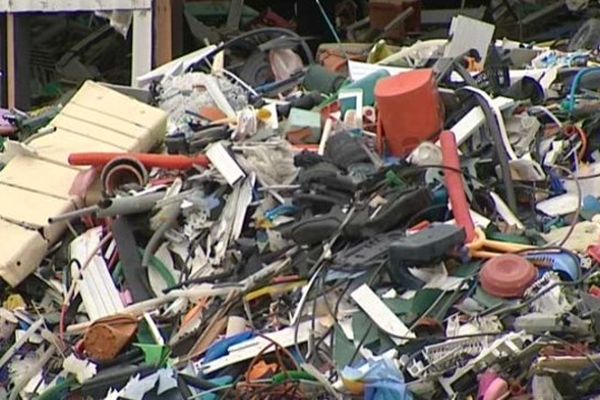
column 425, row 227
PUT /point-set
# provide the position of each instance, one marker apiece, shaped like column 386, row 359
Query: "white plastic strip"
column 224, row 163
column 98, row 291
column 381, row 314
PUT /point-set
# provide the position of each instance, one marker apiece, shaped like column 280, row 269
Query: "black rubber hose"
column 492, row 123
column 245, row 35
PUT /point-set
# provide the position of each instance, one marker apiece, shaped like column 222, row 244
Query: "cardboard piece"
column 115, row 125
column 57, row 147
column 112, row 103
column 90, row 130
column 21, row 251
column 32, row 209
column 34, row 187
column 38, row 176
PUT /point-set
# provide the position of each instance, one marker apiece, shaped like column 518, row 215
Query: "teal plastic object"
column 367, row 84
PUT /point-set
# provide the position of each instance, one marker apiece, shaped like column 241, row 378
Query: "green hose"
column 58, row 391
column 155, row 263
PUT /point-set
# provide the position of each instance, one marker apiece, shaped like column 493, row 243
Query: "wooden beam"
column 17, row 61
column 168, row 30
column 163, row 31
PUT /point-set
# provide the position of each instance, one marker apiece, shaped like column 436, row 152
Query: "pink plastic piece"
column 496, row 390
column 284, row 63
column 82, row 183
column 485, row 380
column 507, row 276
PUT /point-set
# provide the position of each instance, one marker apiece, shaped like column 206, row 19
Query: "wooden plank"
column 15, row 6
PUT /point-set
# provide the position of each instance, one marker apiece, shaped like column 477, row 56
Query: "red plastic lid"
column 404, row 83
column 507, row 276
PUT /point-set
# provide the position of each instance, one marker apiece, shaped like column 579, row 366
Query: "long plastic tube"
column 166, row 161
column 113, row 207
column 455, row 185
column 73, row 214
column 128, row 205
column 503, row 147
column 171, row 213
